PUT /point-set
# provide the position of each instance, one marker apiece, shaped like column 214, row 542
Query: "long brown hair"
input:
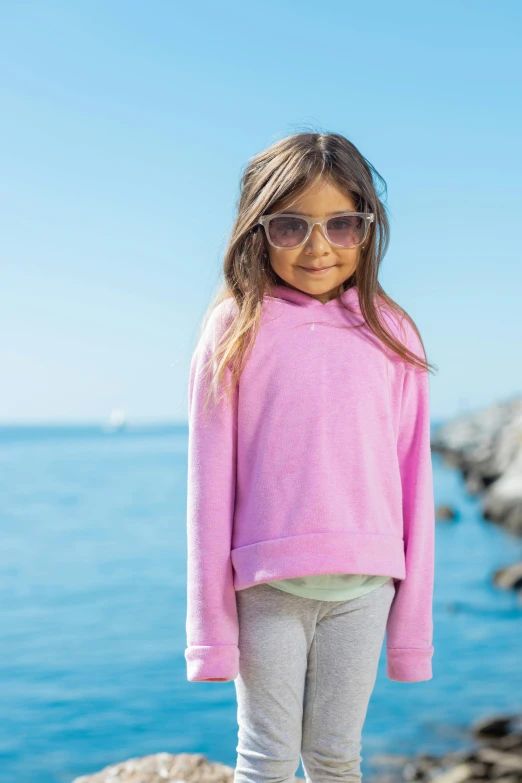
column 283, row 170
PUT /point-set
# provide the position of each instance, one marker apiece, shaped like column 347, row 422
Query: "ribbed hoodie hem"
column 342, row 552
column 212, row 662
column 409, row 664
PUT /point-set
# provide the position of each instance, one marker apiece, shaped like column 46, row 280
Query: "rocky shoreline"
column 486, row 447
column 496, row 757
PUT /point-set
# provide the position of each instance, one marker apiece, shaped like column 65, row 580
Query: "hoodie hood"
column 293, row 295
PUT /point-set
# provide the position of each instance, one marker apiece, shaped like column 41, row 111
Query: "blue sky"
column 126, row 126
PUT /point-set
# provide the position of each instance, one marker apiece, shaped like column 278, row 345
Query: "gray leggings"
column 307, row 669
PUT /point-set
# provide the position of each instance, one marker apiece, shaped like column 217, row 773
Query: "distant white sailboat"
column 116, row 421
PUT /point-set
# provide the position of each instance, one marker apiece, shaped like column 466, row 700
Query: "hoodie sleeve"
column 212, row 624
column 409, row 631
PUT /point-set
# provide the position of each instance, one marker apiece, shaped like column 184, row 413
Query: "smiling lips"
column 316, row 271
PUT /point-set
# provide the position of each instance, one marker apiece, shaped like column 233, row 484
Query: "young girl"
column 310, row 496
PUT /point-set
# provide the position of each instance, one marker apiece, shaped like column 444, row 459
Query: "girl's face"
column 291, row 264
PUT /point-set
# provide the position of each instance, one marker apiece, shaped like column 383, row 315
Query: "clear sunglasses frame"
column 322, row 221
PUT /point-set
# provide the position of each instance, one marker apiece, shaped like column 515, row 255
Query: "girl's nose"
column 317, row 240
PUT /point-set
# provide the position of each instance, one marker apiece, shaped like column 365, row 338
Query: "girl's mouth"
column 320, row 271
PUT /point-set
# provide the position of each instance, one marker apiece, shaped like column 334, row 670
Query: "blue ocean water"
column 92, row 615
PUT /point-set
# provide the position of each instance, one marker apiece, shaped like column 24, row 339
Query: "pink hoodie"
column 322, row 465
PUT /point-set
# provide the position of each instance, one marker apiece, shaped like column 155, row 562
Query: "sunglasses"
column 286, row 230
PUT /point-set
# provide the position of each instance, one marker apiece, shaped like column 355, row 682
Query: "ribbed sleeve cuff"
column 409, row 664
column 212, row 662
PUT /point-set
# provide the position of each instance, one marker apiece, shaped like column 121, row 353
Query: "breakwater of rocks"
column 486, row 447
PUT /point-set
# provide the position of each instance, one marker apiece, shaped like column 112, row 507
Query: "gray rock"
column 486, row 447
column 445, row 513
column 164, row 768
column 509, row 578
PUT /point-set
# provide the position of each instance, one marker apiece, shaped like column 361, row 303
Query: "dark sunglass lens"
column 287, row 231
column 346, row 230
